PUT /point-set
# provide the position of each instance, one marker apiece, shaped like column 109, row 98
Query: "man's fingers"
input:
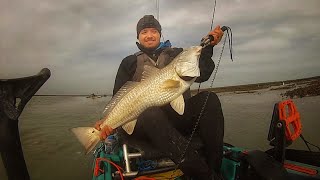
column 103, row 135
column 105, row 132
column 217, row 27
column 217, row 33
column 97, row 125
column 110, row 129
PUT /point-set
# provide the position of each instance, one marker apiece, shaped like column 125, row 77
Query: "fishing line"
column 203, row 107
column 214, row 11
column 229, row 35
column 308, row 143
column 157, row 9
column 158, row 15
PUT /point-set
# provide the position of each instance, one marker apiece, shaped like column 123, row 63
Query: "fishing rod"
column 205, row 42
column 158, row 15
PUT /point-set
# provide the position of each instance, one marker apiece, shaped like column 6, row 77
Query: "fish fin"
column 129, row 127
column 127, row 87
column 170, row 83
column 148, row 71
column 178, row 105
column 88, row 137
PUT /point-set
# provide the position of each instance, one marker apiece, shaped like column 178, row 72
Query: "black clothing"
column 168, row 132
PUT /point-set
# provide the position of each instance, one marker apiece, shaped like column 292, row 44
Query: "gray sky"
column 83, row 42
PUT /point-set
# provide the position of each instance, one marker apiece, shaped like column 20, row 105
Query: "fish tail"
column 88, row 137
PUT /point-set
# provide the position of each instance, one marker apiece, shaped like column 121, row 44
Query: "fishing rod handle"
column 206, row 40
column 224, row 28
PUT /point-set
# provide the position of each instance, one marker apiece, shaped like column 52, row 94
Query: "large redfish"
column 158, row 87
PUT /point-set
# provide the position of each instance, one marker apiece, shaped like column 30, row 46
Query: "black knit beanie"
column 148, row 21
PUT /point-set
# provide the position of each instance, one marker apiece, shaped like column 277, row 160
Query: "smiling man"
column 149, row 38
column 162, row 127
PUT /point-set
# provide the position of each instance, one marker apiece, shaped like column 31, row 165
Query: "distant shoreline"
column 240, row 88
column 258, row 86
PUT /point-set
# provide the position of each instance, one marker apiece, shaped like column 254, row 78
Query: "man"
column 162, row 126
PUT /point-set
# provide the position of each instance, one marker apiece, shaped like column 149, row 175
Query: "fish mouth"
column 198, row 50
column 187, row 78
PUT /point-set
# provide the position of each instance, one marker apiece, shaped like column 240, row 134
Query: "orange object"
column 217, row 33
column 300, row 169
column 245, row 152
column 292, row 117
column 97, row 169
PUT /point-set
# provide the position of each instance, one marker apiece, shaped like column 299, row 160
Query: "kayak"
column 14, row 95
column 117, row 159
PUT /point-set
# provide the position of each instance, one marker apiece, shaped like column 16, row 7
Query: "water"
column 52, row 152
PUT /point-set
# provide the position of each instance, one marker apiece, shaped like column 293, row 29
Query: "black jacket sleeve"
column 125, row 72
column 206, row 64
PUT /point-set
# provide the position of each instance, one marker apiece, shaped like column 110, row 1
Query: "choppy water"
column 52, row 152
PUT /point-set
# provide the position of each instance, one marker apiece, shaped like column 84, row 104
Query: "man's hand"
column 105, row 131
column 217, row 33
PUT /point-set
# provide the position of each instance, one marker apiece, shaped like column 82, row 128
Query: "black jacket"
column 128, row 66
